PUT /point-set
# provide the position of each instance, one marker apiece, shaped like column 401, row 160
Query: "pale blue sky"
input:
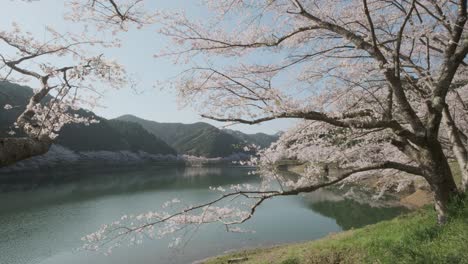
column 136, row 55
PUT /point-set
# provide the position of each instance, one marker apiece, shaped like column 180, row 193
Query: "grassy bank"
column 411, row 238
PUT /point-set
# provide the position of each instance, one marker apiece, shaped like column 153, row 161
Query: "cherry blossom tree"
column 65, row 69
column 377, row 87
column 375, row 82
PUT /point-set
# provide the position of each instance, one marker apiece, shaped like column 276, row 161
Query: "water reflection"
column 349, row 213
column 82, row 183
column 192, row 172
column 125, row 176
column 43, row 215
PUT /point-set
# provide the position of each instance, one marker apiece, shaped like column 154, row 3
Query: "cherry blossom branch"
column 399, row 39
column 440, row 16
column 42, row 119
column 371, row 25
column 336, row 121
column 177, row 221
column 9, row 153
column 105, row 13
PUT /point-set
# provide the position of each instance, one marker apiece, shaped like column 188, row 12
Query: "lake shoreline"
column 44, row 219
column 61, row 158
column 414, row 196
column 13, row 181
column 380, row 242
column 324, row 249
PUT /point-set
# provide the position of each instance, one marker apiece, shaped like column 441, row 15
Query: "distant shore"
column 61, row 158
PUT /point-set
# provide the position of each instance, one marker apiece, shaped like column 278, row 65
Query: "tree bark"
column 437, row 172
column 443, row 191
column 458, row 148
column 16, row 149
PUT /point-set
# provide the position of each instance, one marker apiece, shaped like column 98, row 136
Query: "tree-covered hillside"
column 198, row 139
column 138, row 139
column 132, row 133
column 107, row 135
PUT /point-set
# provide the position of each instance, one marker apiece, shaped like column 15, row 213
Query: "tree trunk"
column 437, row 172
column 464, row 174
column 16, row 149
column 443, row 191
column 458, row 148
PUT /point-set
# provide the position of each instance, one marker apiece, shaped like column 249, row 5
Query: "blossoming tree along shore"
column 374, row 79
column 379, row 86
column 65, row 69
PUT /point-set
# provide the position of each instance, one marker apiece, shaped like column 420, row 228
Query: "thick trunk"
column 443, row 191
column 458, row 148
column 464, row 174
column 437, row 172
column 16, row 149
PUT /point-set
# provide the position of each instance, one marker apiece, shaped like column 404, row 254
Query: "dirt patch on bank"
column 417, row 199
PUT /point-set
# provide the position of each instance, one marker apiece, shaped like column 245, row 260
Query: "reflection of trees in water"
column 351, row 214
column 87, row 184
column 123, row 177
column 201, row 171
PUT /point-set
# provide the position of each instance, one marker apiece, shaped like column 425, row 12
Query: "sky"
column 136, row 54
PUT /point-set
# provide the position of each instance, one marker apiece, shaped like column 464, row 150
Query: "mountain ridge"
column 132, row 133
column 105, row 135
column 196, row 139
column 187, row 138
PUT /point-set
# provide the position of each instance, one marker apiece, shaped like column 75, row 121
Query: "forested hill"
column 198, row 139
column 110, row 135
column 134, row 134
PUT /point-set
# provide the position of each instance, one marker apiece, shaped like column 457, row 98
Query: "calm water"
column 42, row 222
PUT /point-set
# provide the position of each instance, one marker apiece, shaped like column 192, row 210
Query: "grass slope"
column 411, row 238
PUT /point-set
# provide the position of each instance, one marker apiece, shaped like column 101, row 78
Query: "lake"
column 44, row 215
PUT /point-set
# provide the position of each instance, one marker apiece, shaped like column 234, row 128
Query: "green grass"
column 412, row 238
